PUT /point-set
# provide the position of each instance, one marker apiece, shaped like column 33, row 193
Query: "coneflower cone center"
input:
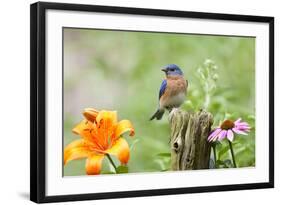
column 227, row 124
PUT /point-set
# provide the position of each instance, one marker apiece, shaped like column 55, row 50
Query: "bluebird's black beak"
column 164, row 70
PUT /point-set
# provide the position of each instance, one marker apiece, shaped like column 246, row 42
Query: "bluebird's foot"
column 172, row 113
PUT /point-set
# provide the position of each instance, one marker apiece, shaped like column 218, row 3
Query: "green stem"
column 232, row 154
column 207, row 97
column 215, row 155
column 111, row 161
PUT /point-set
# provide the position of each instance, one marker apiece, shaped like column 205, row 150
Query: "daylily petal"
column 79, row 128
column 76, row 150
column 122, row 127
column 230, row 135
column 90, row 114
column 107, row 117
column 121, row 150
column 87, row 130
column 94, row 163
column 75, row 144
column 105, row 124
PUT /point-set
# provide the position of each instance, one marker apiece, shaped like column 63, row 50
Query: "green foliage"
column 224, row 164
column 208, row 77
column 168, row 154
column 120, row 71
column 163, row 160
column 122, row 169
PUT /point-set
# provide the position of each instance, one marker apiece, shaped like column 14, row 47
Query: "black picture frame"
column 38, row 100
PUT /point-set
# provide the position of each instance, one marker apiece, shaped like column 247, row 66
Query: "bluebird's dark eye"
column 172, row 70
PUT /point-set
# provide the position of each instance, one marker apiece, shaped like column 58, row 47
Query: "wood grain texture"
column 189, row 146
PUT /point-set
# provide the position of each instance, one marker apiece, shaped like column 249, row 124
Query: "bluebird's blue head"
column 172, row 69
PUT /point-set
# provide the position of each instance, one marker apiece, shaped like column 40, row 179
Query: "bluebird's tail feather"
column 158, row 114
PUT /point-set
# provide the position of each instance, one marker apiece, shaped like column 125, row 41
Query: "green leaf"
column 222, row 151
column 122, row 169
column 134, row 143
column 221, row 164
column 161, row 164
column 228, row 163
column 164, row 154
column 224, row 164
column 217, row 144
column 107, row 172
column 251, row 117
column 188, row 104
column 228, row 115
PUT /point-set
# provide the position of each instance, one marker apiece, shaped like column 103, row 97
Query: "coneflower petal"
column 238, row 120
column 230, row 135
column 237, row 131
column 222, row 135
column 214, row 134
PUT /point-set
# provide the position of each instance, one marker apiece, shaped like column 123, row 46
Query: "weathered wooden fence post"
column 189, row 146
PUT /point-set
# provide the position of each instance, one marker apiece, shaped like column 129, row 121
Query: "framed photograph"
column 129, row 102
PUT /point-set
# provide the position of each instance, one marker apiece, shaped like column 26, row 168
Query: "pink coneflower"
column 227, row 130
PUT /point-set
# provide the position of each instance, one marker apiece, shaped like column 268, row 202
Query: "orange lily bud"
column 90, row 114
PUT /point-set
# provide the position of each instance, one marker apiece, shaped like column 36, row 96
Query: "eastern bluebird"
column 172, row 92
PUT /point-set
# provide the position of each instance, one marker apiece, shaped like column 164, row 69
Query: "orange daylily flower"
column 101, row 134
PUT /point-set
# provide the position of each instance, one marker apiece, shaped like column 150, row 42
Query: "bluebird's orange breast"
column 175, row 92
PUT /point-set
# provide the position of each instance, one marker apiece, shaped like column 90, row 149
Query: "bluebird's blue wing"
column 162, row 88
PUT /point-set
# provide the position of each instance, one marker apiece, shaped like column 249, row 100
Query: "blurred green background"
column 117, row 70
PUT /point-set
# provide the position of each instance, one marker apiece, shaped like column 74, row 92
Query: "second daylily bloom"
column 101, row 135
